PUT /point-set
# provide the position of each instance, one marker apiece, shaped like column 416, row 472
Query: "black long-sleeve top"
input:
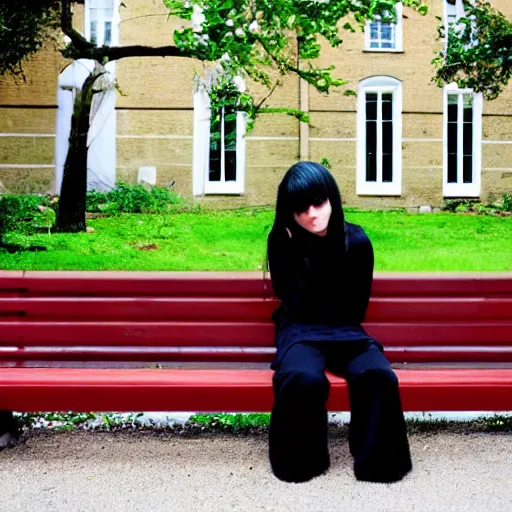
column 322, row 297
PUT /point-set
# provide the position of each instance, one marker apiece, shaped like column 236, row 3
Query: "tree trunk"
column 71, row 214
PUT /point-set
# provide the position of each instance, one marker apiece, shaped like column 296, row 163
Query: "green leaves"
column 478, row 55
column 261, row 39
column 25, row 25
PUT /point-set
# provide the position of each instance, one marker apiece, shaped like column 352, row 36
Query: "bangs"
column 305, row 193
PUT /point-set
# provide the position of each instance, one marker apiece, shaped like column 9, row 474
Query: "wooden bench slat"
column 227, row 284
column 438, row 308
column 241, row 308
column 442, row 284
column 251, row 334
column 145, row 308
column 81, row 283
column 241, row 354
column 43, row 389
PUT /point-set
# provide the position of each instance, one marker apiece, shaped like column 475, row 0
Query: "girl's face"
column 315, row 219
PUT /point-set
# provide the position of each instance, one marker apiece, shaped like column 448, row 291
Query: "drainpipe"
column 304, row 106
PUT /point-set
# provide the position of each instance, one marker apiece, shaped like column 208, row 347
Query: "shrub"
column 507, row 202
column 140, row 198
column 459, row 205
column 26, row 214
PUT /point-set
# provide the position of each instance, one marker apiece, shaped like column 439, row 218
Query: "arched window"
column 379, row 136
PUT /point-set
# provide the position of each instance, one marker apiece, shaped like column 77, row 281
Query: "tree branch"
column 106, row 54
column 78, row 41
column 80, row 48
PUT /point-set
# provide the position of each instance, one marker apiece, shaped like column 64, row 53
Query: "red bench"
column 163, row 341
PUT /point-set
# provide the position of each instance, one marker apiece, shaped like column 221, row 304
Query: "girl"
column 321, row 269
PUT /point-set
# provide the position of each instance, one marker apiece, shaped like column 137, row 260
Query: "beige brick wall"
column 155, row 117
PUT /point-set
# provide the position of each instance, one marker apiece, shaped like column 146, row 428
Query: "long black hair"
column 306, row 184
column 303, row 185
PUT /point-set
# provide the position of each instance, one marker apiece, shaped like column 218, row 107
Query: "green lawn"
column 235, row 240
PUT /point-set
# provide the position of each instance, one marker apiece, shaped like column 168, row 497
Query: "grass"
column 236, row 239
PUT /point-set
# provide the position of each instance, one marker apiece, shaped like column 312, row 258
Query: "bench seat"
column 216, row 390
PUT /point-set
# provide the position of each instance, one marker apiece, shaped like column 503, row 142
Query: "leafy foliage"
column 25, row 26
column 255, row 38
column 230, row 422
column 507, row 202
column 492, row 207
column 478, row 55
column 25, row 214
column 140, row 198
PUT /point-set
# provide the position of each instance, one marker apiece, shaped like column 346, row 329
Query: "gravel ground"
column 147, row 471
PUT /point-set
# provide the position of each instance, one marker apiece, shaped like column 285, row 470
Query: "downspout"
column 304, row 107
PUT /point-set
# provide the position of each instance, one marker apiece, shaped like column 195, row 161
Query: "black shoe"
column 300, row 475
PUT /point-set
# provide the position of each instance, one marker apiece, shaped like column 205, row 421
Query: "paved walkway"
column 148, row 472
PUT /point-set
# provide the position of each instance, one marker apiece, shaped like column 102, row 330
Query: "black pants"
column 298, row 426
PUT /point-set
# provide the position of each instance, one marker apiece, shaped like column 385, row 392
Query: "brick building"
column 402, row 141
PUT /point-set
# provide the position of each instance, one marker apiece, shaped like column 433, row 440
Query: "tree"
column 257, row 39
column 479, row 53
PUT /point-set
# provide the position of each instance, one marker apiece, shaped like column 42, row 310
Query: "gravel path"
column 213, row 472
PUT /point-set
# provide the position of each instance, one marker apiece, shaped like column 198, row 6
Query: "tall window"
column 219, row 148
column 379, row 136
column 462, row 142
column 99, row 19
column 385, row 36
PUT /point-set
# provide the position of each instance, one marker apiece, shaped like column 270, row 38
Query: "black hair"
column 306, row 184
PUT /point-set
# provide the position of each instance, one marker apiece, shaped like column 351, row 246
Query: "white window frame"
column 107, row 11
column 461, row 189
column 398, row 32
column 201, row 151
column 382, row 85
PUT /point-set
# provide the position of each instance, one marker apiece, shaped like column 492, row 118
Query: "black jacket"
column 323, row 297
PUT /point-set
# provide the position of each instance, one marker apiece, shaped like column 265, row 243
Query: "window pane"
column 468, row 139
column 371, row 106
column 452, row 107
column 108, row 33
column 468, row 108
column 386, row 32
column 387, row 168
column 230, row 144
column 374, row 30
column 452, row 138
column 452, row 168
column 215, row 147
column 94, row 32
column 371, row 151
column 467, row 173
column 387, row 107
column 387, row 137
column 230, row 166
column 387, row 45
